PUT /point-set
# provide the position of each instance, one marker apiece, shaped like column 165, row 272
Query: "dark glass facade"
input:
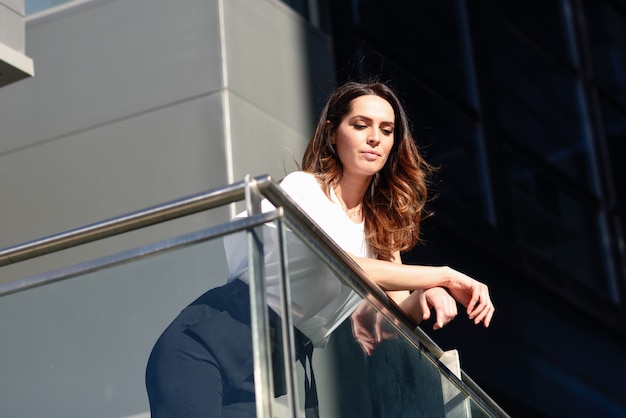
column 522, row 105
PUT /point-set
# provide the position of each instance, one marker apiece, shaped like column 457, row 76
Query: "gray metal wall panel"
column 16, row 5
column 106, row 66
column 11, row 28
column 111, row 170
column 109, row 61
column 126, row 111
column 279, row 72
column 262, row 144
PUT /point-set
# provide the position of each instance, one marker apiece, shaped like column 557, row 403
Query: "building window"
column 541, row 121
column 557, row 225
column 499, row 96
column 436, row 83
column 536, row 99
column 34, row 6
column 607, row 43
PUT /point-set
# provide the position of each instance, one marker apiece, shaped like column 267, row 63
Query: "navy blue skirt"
column 201, row 365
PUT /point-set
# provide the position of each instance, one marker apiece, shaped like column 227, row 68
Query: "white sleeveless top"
column 320, row 302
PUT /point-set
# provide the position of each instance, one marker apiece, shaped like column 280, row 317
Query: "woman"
column 364, row 182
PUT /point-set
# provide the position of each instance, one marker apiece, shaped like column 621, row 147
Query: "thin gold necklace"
column 354, row 212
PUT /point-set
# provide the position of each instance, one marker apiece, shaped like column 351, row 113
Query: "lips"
column 370, row 155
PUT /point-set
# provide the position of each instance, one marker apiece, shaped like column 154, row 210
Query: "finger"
column 473, row 303
column 439, row 318
column 364, row 335
column 425, row 309
column 455, row 310
column 483, row 314
column 377, row 329
column 450, row 315
column 367, row 348
column 488, row 316
column 479, row 311
column 445, row 315
column 480, row 316
column 389, row 335
column 361, row 332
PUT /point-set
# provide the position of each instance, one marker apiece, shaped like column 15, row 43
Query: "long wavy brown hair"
column 395, row 202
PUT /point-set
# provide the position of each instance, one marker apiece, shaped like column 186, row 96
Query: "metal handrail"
column 126, row 223
column 297, row 220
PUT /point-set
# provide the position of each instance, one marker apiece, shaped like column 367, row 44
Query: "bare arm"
column 394, row 276
column 368, row 326
column 418, row 304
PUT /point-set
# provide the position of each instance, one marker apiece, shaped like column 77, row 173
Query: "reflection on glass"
column 538, row 105
column 442, row 63
column 453, row 144
column 615, row 130
column 607, row 35
column 392, row 378
column 543, row 22
column 556, row 226
column 456, row 150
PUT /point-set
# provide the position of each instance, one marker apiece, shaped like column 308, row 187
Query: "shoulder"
column 304, row 189
column 298, row 182
column 298, row 177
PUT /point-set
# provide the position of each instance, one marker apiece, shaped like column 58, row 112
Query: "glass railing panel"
column 397, row 377
column 79, row 347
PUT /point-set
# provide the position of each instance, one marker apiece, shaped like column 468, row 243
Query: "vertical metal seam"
column 225, row 99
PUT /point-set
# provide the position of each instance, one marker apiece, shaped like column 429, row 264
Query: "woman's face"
column 364, row 137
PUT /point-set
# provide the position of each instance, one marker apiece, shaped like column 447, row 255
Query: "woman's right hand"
column 472, row 294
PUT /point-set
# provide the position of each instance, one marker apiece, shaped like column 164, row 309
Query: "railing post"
column 261, row 350
column 287, row 321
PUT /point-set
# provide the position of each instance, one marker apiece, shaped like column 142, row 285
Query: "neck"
column 350, row 192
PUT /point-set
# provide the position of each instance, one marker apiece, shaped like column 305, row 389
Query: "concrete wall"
column 135, row 103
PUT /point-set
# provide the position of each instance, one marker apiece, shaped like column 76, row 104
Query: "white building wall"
column 135, row 103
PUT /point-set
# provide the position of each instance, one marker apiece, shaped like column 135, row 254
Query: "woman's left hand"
column 439, row 300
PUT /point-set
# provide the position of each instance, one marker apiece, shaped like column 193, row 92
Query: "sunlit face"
column 364, row 137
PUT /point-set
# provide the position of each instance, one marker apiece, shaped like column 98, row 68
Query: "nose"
column 373, row 138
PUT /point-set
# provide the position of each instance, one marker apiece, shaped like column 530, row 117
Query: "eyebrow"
column 370, row 119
